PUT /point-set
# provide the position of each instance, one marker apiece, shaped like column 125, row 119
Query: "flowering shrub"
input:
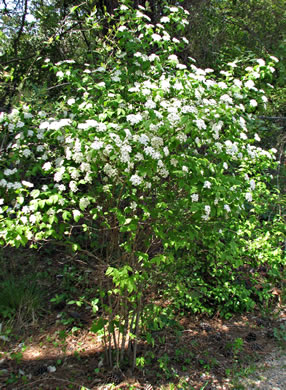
column 148, row 157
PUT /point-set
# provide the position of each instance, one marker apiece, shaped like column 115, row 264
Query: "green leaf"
column 35, row 193
column 98, row 325
column 66, row 215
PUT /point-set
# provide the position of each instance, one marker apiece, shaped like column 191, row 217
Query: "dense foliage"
column 151, row 167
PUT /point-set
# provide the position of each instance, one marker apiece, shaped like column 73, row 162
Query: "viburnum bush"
column 143, row 161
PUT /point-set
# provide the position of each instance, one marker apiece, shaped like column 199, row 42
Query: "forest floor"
column 57, row 350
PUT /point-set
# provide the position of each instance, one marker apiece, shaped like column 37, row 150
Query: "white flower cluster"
column 134, row 118
column 207, row 210
column 91, row 123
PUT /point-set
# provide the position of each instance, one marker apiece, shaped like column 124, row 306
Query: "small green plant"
column 236, row 346
column 17, row 356
column 164, row 364
column 13, row 378
column 58, row 299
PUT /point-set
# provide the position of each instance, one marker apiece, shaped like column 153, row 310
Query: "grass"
column 21, row 299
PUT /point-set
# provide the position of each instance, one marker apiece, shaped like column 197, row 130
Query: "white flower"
column 152, row 57
column 96, row 145
column 261, row 62
column 207, row 209
column 150, row 104
column 141, row 15
column 89, row 123
column 27, row 152
column 225, row 165
column 59, row 174
column 100, row 126
column 3, row 183
column 248, row 196
column 73, row 186
column 8, row 172
column 249, row 84
column 134, row 118
column 188, row 109
column 139, row 157
column 237, row 83
column 44, row 125
column 33, row 218
column 156, row 37
column 122, row 28
column 181, row 66
column 116, row 79
column 222, row 85
column 20, row 124
column 76, row 213
column 164, row 19
column 27, row 184
column 151, row 152
column 28, row 115
column 173, row 118
column 62, row 187
column 185, row 169
column 182, row 137
column 83, row 203
column 257, row 138
column 227, row 208
column 207, row 184
column 165, row 84
column 47, row 166
column 85, row 167
column 178, row 86
column 275, row 59
column 60, row 74
column 71, row 101
column 174, row 162
column 195, row 197
column 252, row 184
column 173, row 57
column 156, row 142
column 253, row 103
column 200, row 123
column 109, row 170
column 56, row 125
column 74, row 173
column 136, row 180
column 146, row 91
column 24, row 219
column 231, row 148
column 226, row 99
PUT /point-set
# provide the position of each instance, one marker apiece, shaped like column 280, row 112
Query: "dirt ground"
column 57, row 351
column 204, row 353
